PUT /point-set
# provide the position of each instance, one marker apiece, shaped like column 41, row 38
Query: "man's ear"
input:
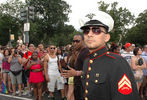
column 107, row 37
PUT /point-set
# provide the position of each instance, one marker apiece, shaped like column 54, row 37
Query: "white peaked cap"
column 100, row 18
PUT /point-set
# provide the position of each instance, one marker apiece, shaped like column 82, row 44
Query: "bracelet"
column 82, row 73
column 78, row 73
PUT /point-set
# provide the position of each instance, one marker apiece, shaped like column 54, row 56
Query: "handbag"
column 16, row 72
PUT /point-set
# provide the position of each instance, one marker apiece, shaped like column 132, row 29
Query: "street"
column 10, row 97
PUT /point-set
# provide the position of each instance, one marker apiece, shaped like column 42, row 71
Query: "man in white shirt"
column 127, row 54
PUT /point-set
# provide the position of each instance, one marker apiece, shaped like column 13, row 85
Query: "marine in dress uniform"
column 106, row 76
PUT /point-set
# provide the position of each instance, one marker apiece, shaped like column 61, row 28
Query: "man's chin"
column 92, row 48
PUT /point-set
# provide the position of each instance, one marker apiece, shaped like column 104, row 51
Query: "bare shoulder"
column 46, row 59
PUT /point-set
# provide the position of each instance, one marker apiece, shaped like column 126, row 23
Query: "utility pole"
column 26, row 15
column 10, row 45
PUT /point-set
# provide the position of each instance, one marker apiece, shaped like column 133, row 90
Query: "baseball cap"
column 100, row 19
column 133, row 45
column 128, row 45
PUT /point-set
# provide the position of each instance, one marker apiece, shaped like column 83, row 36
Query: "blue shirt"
column 144, row 55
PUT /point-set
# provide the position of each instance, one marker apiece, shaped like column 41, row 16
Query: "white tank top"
column 53, row 66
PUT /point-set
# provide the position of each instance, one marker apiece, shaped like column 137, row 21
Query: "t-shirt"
column 15, row 65
column 127, row 56
column 26, row 55
column 144, row 55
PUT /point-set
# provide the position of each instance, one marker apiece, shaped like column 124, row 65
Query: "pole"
column 27, row 32
column 10, row 45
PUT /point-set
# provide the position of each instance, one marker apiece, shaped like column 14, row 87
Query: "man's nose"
column 90, row 32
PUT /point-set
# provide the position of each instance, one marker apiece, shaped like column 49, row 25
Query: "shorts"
column 55, row 80
column 5, row 71
column 17, row 78
column 71, row 80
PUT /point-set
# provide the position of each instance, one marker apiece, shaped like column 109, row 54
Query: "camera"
column 15, row 52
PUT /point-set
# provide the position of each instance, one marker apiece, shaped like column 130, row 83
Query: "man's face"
column 52, row 49
column 77, row 41
column 129, row 48
column 95, row 37
column 23, row 47
column 133, row 47
column 31, row 47
column 40, row 46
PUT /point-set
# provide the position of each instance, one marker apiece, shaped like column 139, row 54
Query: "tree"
column 138, row 33
column 9, row 20
column 122, row 19
column 49, row 22
column 50, row 19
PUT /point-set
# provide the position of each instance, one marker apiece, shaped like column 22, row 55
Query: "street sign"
column 12, row 37
column 26, row 27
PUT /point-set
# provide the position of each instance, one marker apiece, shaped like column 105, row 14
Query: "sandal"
column 10, row 91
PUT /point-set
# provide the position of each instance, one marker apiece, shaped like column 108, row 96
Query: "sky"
column 81, row 8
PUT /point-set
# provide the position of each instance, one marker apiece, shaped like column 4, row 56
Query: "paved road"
column 10, row 97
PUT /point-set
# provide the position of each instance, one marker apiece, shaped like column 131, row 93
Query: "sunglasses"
column 77, row 41
column 95, row 30
column 53, row 48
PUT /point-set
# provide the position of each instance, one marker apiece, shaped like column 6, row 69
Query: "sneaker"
column 43, row 93
column 24, row 93
column 51, row 98
column 29, row 94
column 19, row 94
column 64, row 98
column 13, row 94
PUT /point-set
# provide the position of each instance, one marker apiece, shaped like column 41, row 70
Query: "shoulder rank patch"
column 124, row 85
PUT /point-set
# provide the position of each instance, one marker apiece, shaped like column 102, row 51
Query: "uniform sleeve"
column 123, row 86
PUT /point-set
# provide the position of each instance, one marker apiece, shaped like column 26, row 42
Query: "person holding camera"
column 137, row 65
column 15, row 71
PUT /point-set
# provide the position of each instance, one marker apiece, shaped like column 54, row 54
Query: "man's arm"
column 71, row 72
column 122, row 81
column 45, row 63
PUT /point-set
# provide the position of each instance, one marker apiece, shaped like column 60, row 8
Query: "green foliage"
column 122, row 19
column 50, row 19
column 48, row 25
column 9, row 13
column 138, row 33
column 7, row 23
